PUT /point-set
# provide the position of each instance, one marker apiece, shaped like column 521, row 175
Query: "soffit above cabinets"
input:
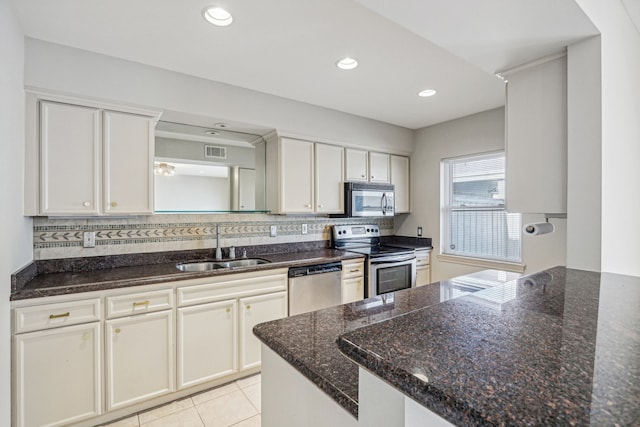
column 288, row 48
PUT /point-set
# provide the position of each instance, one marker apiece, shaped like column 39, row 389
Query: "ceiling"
column 289, row 48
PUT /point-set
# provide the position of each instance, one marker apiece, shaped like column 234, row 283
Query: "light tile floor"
column 236, row 404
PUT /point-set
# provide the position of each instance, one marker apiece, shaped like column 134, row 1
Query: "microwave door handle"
column 383, row 203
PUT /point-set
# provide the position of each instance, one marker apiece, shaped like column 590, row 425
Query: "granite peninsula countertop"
column 64, row 277
column 559, row 347
column 308, row 341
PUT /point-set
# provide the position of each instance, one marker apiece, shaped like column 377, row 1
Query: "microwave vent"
column 214, row 152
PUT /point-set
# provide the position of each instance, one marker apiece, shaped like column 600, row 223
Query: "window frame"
column 446, row 209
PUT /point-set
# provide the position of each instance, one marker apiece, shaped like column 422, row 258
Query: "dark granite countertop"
column 560, row 347
column 308, row 341
column 77, row 277
column 407, row 242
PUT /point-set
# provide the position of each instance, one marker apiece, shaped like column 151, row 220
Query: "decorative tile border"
column 63, row 238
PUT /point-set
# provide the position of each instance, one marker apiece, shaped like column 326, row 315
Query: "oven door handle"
column 393, row 261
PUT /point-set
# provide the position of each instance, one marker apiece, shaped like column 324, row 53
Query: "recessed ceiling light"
column 347, row 63
column 212, row 132
column 217, row 16
column 221, row 125
column 427, row 92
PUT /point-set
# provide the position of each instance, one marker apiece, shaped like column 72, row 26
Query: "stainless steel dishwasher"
column 314, row 287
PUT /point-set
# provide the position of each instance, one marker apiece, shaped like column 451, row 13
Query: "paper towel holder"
column 554, row 215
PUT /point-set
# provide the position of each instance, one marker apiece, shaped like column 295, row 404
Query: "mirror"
column 209, row 169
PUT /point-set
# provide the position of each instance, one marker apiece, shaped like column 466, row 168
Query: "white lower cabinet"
column 352, row 280
column 207, row 342
column 254, row 310
column 72, row 365
column 58, row 375
column 139, row 359
column 423, row 271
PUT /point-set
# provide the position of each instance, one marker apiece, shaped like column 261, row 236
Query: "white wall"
column 15, row 249
column 620, row 55
column 478, row 133
column 584, row 162
column 192, row 193
column 84, row 73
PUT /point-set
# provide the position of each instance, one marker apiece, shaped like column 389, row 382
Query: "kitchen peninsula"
column 559, row 347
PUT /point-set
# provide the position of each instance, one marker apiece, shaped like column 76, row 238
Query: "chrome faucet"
column 218, row 248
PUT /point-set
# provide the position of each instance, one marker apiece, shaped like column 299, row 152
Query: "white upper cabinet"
column 128, row 163
column 378, row 167
column 536, row 138
column 69, row 159
column 296, row 176
column 366, row 166
column 308, row 176
column 329, row 176
column 400, row 181
column 86, row 159
column 357, row 168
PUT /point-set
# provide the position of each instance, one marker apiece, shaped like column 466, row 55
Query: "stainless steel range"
column 389, row 268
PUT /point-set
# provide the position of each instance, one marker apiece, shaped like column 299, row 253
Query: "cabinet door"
column 379, row 167
column 207, row 342
column 329, row 166
column 536, row 134
column 422, row 276
column 69, row 159
column 352, row 289
column 296, row 179
column 254, row 310
column 357, row 164
column 128, row 163
column 139, row 358
column 58, row 376
column 400, row 180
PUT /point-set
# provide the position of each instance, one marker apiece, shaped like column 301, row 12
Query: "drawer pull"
column 138, row 304
column 354, row 271
column 248, row 307
column 118, row 330
column 228, row 309
column 58, row 316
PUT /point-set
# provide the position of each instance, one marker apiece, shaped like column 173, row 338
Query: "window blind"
column 473, row 219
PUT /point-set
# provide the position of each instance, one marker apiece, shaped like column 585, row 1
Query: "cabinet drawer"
column 144, row 302
column 56, row 315
column 352, row 269
column 237, row 285
column 422, row 258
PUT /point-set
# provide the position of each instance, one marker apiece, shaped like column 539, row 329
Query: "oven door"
column 390, row 274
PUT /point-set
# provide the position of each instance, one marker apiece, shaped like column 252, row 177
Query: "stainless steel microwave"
column 364, row 199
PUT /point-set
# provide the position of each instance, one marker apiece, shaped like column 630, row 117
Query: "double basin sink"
column 214, row 265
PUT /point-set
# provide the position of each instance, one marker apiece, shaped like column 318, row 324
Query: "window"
column 474, row 222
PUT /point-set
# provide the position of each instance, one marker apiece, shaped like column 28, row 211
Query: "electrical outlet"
column 419, row 231
column 89, row 239
column 304, row 228
column 273, row 230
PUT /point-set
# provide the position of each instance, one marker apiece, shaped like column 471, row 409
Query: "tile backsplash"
column 55, row 238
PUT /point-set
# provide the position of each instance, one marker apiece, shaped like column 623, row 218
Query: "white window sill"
column 485, row 263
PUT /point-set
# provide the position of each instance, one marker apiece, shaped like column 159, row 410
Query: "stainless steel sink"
column 198, row 266
column 213, row 265
column 243, row 262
